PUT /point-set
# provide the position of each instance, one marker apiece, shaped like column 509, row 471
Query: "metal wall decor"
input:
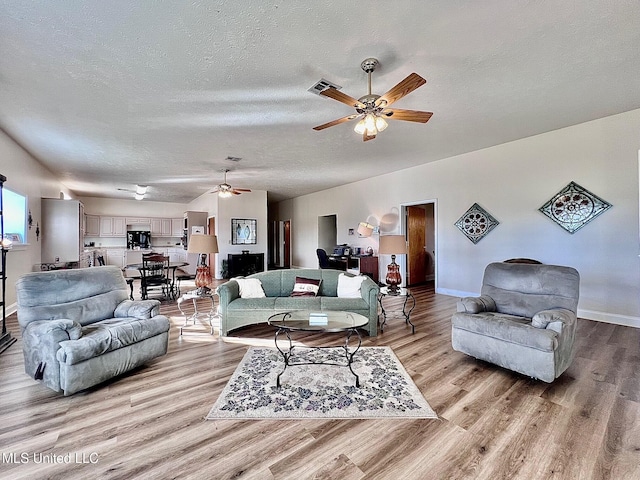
column 476, row 222
column 243, row 231
column 573, row 207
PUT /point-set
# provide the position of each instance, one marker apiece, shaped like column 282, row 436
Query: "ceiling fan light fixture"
column 139, row 196
column 360, row 127
column 224, row 193
column 381, row 124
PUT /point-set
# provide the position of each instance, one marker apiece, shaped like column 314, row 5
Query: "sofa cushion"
column 349, row 287
column 306, row 287
column 250, row 288
column 284, row 304
column 108, row 335
column 344, row 304
column 267, row 303
column 509, row 328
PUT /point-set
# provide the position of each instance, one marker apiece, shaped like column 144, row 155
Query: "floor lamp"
column 393, row 245
column 203, row 245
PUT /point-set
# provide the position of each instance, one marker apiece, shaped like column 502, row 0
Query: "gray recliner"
column 79, row 328
column 524, row 320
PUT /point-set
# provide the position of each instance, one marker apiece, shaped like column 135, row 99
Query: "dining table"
column 173, row 266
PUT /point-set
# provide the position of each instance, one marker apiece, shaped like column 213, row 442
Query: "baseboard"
column 456, row 293
column 625, row 320
column 11, row 309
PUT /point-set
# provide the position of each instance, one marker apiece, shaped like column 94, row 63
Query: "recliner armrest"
column 60, row 329
column 547, row 318
column 140, row 309
column 483, row 303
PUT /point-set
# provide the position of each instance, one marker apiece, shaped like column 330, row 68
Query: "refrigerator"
column 61, row 230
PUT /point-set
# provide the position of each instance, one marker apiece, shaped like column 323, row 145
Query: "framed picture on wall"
column 243, row 231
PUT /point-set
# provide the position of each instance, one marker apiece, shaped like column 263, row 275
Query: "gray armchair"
column 524, row 320
column 79, row 328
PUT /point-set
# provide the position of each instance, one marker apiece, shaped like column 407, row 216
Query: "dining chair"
column 155, row 275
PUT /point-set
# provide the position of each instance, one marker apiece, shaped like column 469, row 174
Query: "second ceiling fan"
column 373, row 110
column 225, row 190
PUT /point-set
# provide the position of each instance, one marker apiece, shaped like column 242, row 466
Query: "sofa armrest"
column 140, row 309
column 483, row 303
column 227, row 293
column 553, row 319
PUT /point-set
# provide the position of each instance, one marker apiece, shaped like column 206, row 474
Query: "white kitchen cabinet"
column 177, row 227
column 113, row 226
column 116, row 256
column 133, row 256
column 156, row 227
column 161, row 227
column 137, row 221
column 92, row 226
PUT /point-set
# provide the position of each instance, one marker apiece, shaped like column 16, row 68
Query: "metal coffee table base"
column 287, row 354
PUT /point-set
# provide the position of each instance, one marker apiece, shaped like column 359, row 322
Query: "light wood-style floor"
column 493, row 424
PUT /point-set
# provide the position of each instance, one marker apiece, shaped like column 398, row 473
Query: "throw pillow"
column 349, row 287
column 250, row 288
column 306, row 287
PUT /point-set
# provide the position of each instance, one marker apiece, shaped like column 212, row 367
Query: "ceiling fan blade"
column 405, row 87
column 407, row 115
column 366, row 137
column 336, row 122
column 241, row 190
column 342, row 97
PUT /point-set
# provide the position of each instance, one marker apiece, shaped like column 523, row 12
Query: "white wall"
column 248, row 205
column 511, row 182
column 28, row 177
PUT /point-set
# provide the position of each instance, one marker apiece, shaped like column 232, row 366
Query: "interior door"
column 416, row 257
column 211, row 230
column 287, row 244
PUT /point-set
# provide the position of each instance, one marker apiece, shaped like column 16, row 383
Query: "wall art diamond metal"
column 476, row 222
column 573, row 207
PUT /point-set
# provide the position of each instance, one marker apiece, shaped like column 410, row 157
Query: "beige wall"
column 511, row 181
column 27, row 177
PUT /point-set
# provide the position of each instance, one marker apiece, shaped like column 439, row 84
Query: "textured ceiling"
column 108, row 94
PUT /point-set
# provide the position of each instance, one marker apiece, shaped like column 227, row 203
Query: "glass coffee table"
column 319, row 322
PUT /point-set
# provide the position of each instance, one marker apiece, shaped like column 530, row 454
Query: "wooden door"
column 287, row 244
column 211, row 230
column 416, row 257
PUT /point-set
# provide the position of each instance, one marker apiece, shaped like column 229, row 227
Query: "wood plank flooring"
column 494, row 424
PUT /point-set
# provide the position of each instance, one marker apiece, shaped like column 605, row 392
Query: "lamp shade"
column 199, row 243
column 392, row 245
column 365, row 229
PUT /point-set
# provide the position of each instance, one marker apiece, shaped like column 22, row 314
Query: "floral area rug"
column 320, row 391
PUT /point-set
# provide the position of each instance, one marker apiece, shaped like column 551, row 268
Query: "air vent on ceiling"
column 323, row 84
column 233, row 159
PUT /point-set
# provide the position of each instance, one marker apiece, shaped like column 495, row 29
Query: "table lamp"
column 203, row 245
column 393, row 245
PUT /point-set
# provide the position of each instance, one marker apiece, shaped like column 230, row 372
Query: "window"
column 14, row 209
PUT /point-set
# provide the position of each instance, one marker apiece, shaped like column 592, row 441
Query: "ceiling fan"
column 373, row 110
column 226, row 190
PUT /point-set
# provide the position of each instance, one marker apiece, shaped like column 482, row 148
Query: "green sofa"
column 237, row 312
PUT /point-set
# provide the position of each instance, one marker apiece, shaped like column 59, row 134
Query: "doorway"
column 420, row 227
column 280, row 244
column 211, row 230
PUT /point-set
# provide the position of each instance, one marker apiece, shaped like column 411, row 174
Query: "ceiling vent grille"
column 233, row 159
column 322, row 85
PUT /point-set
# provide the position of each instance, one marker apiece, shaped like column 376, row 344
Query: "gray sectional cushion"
column 109, row 335
column 509, row 328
